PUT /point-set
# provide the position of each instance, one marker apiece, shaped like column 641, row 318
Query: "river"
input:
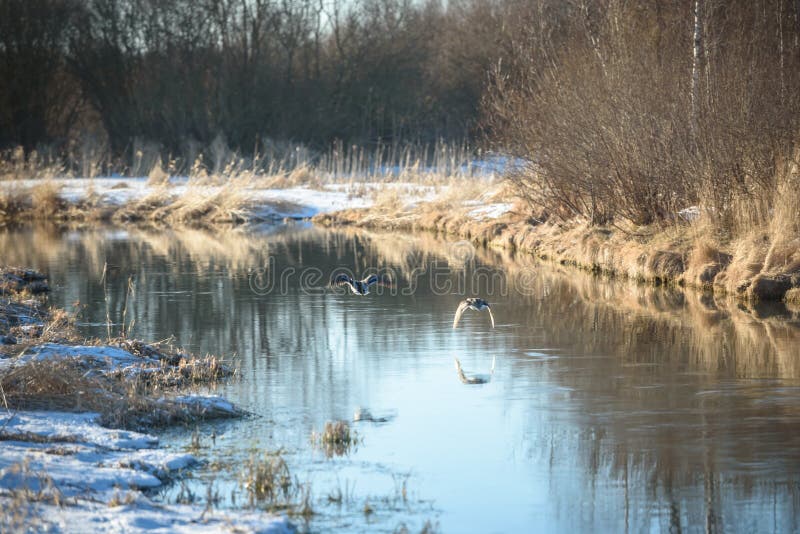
column 613, row 406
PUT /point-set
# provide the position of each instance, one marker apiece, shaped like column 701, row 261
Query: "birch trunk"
column 698, row 54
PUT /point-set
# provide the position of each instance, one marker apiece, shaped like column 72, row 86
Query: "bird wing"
column 461, row 307
column 375, row 279
column 490, row 315
column 342, row 279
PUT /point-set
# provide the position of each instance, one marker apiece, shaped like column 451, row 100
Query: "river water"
column 612, row 407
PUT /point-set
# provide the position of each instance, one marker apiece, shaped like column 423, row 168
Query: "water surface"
column 613, row 406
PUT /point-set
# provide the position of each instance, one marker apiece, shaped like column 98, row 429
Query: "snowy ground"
column 293, row 202
column 277, row 204
column 490, row 211
column 97, row 475
column 65, row 472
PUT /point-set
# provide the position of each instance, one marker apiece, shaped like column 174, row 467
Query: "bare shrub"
column 613, row 127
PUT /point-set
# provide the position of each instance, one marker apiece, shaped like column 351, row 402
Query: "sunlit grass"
column 336, row 438
column 271, row 485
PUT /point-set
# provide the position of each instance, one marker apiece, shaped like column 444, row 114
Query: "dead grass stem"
column 336, row 438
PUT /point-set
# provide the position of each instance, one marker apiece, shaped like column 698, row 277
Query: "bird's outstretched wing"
column 375, row 279
column 461, row 307
column 489, row 309
column 341, row 279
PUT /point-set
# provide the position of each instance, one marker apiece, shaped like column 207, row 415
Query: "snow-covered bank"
column 64, row 472
column 233, row 201
column 71, row 467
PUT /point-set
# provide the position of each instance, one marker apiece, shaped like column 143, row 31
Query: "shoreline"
column 748, row 270
column 182, row 201
column 77, row 417
column 763, row 265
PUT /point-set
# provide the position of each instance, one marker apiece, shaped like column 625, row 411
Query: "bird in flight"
column 476, row 378
column 472, row 304
column 360, row 287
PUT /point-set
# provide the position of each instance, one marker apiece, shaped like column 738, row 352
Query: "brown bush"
column 612, row 125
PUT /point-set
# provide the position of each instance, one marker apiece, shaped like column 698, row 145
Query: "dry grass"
column 303, row 174
column 132, row 397
column 388, row 200
column 228, row 204
column 761, row 265
column 46, row 201
column 219, row 193
column 705, row 261
column 157, row 176
column 199, row 204
column 123, row 399
column 22, row 282
column 23, row 317
column 336, row 438
column 15, row 165
column 793, row 297
column 269, row 480
column 11, row 204
column 270, row 484
column 119, row 499
column 20, row 506
column 27, row 322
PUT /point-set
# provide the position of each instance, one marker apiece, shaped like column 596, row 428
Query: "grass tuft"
column 336, row 438
column 270, row 484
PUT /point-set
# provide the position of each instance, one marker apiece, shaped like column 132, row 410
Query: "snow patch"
column 691, row 213
column 491, row 211
column 72, row 428
column 89, row 466
column 143, row 516
column 208, row 403
column 267, row 204
column 99, row 356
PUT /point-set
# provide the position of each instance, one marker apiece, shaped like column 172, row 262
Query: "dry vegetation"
column 136, row 396
column 21, row 507
column 270, row 485
column 229, row 195
column 123, row 398
column 336, row 438
column 639, row 113
column 656, row 142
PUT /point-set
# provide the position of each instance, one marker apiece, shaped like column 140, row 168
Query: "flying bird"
column 472, row 304
column 476, row 378
column 360, row 287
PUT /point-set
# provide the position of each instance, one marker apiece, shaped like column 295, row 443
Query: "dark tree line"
column 621, row 109
column 176, row 72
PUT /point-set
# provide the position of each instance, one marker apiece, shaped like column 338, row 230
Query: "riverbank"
column 758, row 267
column 187, row 201
column 761, row 265
column 77, row 417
